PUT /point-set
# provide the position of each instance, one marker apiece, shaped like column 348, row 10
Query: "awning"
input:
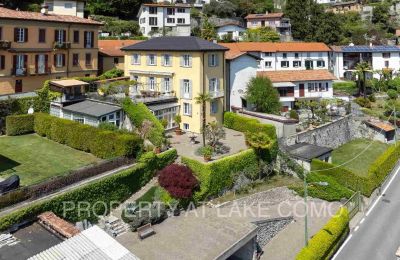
column 283, row 84
column 162, row 73
column 162, row 106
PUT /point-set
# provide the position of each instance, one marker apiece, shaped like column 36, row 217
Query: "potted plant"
column 157, row 145
column 178, row 121
column 164, row 122
column 207, row 152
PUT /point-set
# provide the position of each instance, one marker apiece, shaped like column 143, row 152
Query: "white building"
column 326, row 1
column 66, row 7
column 232, row 30
column 157, row 19
column 379, row 57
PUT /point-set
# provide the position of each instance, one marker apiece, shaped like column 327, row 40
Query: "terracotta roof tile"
column 296, row 75
column 6, row 13
column 50, row 220
column 380, row 125
column 264, row 16
column 113, row 47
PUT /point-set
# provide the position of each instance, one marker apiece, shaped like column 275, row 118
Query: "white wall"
column 236, row 31
column 277, row 57
column 59, row 7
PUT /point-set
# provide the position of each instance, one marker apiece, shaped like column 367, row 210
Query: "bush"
column 19, row 124
column 113, row 73
column 101, row 143
column 115, row 188
column 392, row 94
column 363, row 102
column 218, row 176
column 293, row 114
column 372, row 98
column 325, row 242
column 178, row 180
column 347, row 87
column 245, row 124
column 154, row 214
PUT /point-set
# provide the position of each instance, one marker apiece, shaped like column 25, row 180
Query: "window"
column 21, row 35
column 152, row 10
column 213, row 85
column 51, row 6
column 89, row 40
column 268, row 54
column 135, row 59
column 186, row 60
column 312, row 87
column 181, row 10
column 59, row 60
column 75, row 59
column 42, row 35
column 167, row 84
column 151, row 60
column 187, row 109
column 212, row 60
column 322, row 86
column 386, row 55
column 186, row 126
column 170, row 11
column 116, row 61
column 153, row 21
column 60, row 36
column 76, row 36
column 79, row 119
column 214, row 107
column 181, row 20
column 170, row 20
column 142, row 20
column 167, row 60
column 253, row 23
column 152, row 83
column 386, row 64
column 284, row 55
column 320, row 63
column 186, row 86
column 68, row 5
column 285, row 64
column 297, row 64
column 88, row 59
column 296, row 55
column 268, row 64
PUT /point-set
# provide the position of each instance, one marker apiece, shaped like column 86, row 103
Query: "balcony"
column 19, row 72
column 284, row 25
column 217, row 94
column 62, row 45
column 5, row 45
column 40, row 71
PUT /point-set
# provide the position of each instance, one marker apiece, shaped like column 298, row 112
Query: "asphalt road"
column 377, row 235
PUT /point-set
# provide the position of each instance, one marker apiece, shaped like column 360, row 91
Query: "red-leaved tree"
column 178, row 180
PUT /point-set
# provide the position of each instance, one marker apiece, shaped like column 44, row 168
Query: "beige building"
column 110, row 54
column 35, row 47
column 66, row 7
column 172, row 71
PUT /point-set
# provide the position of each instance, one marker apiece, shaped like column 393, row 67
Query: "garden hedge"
column 245, row 124
column 19, row 124
column 113, row 189
column 326, row 241
column 217, row 176
column 101, row 143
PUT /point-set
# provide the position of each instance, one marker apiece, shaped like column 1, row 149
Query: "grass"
column 352, row 149
column 345, row 87
column 272, row 182
column 148, row 197
column 35, row 159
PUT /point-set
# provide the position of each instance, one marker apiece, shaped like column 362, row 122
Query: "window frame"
column 286, row 62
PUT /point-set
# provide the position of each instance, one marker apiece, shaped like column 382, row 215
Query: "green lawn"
column 352, row 149
column 35, row 159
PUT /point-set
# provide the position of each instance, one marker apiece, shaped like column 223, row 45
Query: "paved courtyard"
column 234, row 140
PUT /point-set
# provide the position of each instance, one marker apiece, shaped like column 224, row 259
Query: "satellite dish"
column 43, row 11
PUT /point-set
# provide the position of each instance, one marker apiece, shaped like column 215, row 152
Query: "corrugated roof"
column 92, row 243
column 264, row 16
column 112, row 48
column 92, row 108
column 307, row 152
column 297, row 75
column 6, row 13
column 380, row 125
column 175, row 43
column 366, row 48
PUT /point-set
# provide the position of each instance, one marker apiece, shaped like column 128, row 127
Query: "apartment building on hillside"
column 66, row 7
column 35, row 47
column 158, row 19
column 276, row 21
column 172, row 71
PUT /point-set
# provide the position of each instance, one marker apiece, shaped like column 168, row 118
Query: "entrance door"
column 18, row 86
column 301, row 86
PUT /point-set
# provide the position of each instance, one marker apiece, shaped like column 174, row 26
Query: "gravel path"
column 271, row 228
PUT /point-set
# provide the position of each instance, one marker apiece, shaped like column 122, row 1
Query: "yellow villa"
column 172, row 71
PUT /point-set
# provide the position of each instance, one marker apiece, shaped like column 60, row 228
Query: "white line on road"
column 356, row 228
column 341, row 248
column 362, row 220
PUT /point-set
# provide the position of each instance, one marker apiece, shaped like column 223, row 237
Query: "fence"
column 353, row 204
column 54, row 184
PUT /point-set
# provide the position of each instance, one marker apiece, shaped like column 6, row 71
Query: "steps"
column 115, row 226
column 8, row 239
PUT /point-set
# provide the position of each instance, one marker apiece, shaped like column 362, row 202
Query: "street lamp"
column 320, row 183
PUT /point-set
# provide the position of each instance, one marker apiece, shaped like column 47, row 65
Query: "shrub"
column 372, row 98
column 363, row 102
column 155, row 214
column 108, row 126
column 113, row 73
column 178, row 180
column 325, row 242
column 217, row 176
column 115, row 188
column 348, row 87
column 392, row 94
column 19, row 124
column 293, row 114
column 245, row 124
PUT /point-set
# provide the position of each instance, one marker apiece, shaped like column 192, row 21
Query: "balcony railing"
column 284, row 25
column 217, row 94
column 45, row 71
column 5, row 45
column 19, row 72
column 62, row 45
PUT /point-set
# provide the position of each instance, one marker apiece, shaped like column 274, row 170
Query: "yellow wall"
column 33, row 47
column 199, row 74
column 108, row 63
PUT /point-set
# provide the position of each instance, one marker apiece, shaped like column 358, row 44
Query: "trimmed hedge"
column 112, row 189
column 326, row 241
column 101, row 143
column 245, row 124
column 218, row 175
column 139, row 112
column 19, row 124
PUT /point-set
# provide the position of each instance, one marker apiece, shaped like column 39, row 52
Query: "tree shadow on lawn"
column 7, row 164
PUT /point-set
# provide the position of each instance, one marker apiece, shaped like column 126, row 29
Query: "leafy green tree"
column 262, row 94
column 221, row 9
column 262, row 144
column 361, row 70
column 116, row 27
column 261, row 34
column 311, row 105
column 208, row 31
column 123, row 9
column 203, row 99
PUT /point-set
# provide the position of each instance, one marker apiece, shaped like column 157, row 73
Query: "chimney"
column 45, row 9
column 266, row 12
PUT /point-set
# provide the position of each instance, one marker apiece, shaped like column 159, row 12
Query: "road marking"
column 356, row 228
column 362, row 220
column 341, row 248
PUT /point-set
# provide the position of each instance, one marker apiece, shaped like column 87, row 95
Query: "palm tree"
column 361, row 69
column 203, row 99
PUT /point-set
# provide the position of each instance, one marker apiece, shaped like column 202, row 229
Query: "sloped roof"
column 296, row 75
column 307, row 152
column 175, row 43
column 366, row 48
column 92, row 108
column 387, row 127
column 112, row 48
column 264, row 16
column 6, row 13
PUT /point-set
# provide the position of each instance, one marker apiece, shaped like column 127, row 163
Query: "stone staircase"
column 115, row 226
column 8, row 240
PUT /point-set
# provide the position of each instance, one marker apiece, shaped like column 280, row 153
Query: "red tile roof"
column 6, row 13
column 264, row 16
column 238, row 48
column 112, row 48
column 296, row 75
column 50, row 220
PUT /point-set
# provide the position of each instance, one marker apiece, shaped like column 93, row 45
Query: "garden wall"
column 99, row 194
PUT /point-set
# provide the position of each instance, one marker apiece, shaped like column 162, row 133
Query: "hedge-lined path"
column 15, row 207
column 118, row 211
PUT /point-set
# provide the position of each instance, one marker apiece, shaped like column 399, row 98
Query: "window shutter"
column 190, row 89
column 132, row 60
column 216, row 60
column 84, row 39
column 2, row 62
column 218, row 84
column 162, row 60
column 182, row 88
column 55, row 60
column 190, row 109
column 1, row 33
column 26, row 35
column 46, row 63
column 162, row 85
column 209, row 60
column 56, row 32
column 190, row 60
column 15, row 34
column 92, row 42
column 182, row 61
column 14, row 64
column 25, row 62
column 148, row 60
column 63, row 60
column 138, row 59
column 64, row 35
column 36, row 63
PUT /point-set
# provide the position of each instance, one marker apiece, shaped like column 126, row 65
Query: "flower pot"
column 178, row 131
column 207, row 158
column 157, row 150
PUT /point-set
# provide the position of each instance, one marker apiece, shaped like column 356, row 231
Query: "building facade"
column 66, row 7
column 275, row 21
column 379, row 57
column 180, row 68
column 35, row 47
column 158, row 19
column 230, row 31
